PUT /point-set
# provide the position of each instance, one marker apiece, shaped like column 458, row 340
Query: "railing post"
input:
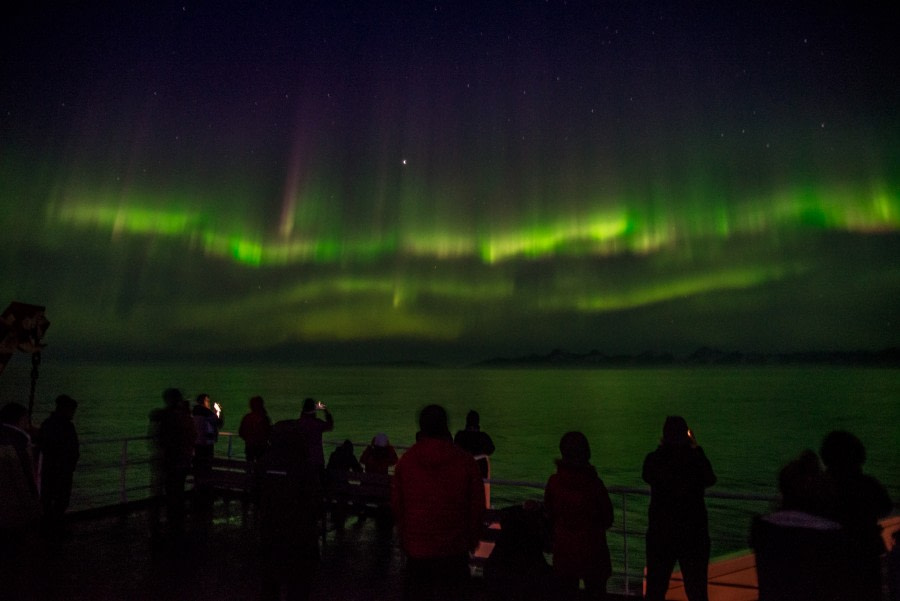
column 230, row 438
column 123, row 466
column 625, row 542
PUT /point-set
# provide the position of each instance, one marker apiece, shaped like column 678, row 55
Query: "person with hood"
column 678, row 473
column 342, row 458
column 437, row 498
column 580, row 512
column 379, row 456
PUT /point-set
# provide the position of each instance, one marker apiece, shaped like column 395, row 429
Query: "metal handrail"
column 128, row 461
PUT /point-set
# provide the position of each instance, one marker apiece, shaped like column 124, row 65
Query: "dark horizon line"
column 701, row 356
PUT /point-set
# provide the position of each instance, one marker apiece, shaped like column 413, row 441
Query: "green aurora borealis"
column 422, row 196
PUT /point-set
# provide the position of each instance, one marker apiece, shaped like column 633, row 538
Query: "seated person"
column 800, row 554
column 379, row 456
column 342, row 459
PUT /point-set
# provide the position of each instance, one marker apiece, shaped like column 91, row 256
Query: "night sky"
column 447, row 181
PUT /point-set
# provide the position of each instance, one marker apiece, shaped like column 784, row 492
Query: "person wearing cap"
column 379, row 456
column 58, row 443
column 678, row 473
column 580, row 512
column 312, row 428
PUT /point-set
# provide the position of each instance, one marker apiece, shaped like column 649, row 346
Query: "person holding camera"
column 678, row 473
column 312, row 428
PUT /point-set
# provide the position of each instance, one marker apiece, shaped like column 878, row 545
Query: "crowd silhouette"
column 822, row 542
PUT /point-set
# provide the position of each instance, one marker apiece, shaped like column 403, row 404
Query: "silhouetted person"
column 437, row 498
column 860, row 501
column 290, row 506
column 379, row 456
column 516, row 569
column 58, row 442
column 473, row 440
column 207, row 422
column 254, row 430
column 580, row 512
column 678, row 473
column 342, row 459
column 172, row 434
column 20, row 507
column 801, row 555
column 312, row 427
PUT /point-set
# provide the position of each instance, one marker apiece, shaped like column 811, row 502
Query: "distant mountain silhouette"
column 889, row 357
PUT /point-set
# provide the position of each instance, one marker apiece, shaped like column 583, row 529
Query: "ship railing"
column 116, row 471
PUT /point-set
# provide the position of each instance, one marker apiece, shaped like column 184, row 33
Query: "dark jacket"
column 580, row 513
column 173, row 433
column 678, row 475
column 377, row 460
column 58, row 442
column 313, row 428
column 474, row 441
column 254, row 429
column 861, row 501
column 207, row 424
column 290, row 501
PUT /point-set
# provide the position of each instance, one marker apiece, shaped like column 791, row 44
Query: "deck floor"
column 111, row 558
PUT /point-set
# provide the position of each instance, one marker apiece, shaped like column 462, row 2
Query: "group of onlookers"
column 823, row 542
column 438, row 505
column 579, row 511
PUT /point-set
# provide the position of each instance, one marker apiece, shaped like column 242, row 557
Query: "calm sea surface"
column 750, row 420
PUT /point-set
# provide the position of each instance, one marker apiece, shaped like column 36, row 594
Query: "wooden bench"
column 231, row 475
column 358, row 491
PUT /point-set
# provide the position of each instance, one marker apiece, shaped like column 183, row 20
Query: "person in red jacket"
column 580, row 512
column 437, row 497
column 379, row 456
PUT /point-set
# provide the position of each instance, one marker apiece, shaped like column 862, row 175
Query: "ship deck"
column 109, row 555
